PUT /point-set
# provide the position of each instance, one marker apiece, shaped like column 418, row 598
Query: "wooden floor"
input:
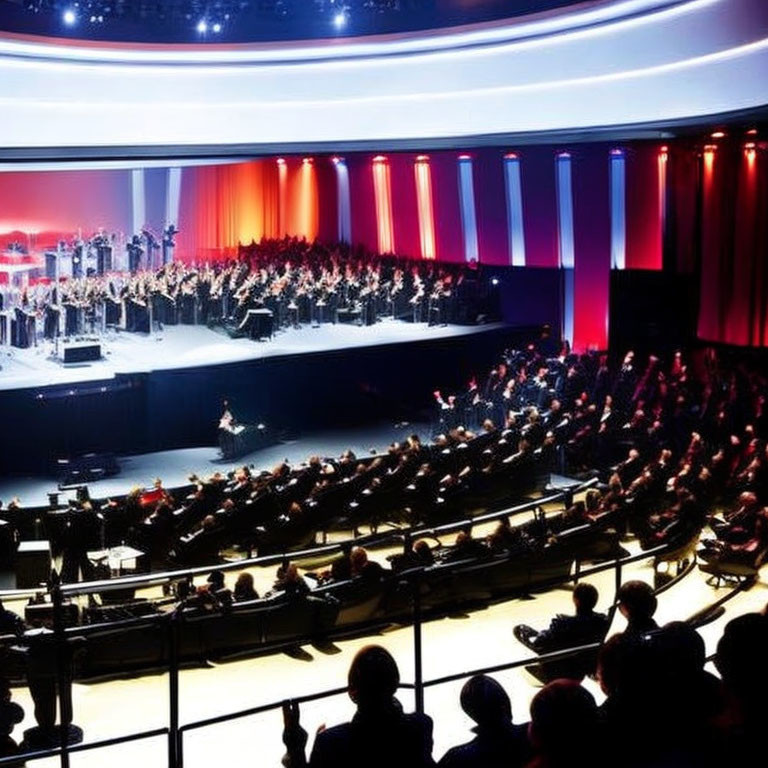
column 450, row 645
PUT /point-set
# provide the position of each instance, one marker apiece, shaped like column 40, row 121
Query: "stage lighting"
column 69, row 17
column 202, row 26
column 217, row 27
column 495, row 281
column 340, row 20
column 718, row 134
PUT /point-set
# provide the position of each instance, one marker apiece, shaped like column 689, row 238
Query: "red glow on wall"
column 282, row 203
column 424, row 203
column 382, row 188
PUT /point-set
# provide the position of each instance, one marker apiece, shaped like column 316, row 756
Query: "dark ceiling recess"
column 247, row 21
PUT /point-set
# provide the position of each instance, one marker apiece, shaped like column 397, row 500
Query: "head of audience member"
column 373, row 678
column 244, row 589
column 742, row 661
column 423, row 552
column 358, row 559
column 637, row 604
column 486, row 702
column 216, row 580
column 564, row 725
column 584, row 598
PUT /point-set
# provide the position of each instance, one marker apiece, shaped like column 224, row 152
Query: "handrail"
column 14, row 760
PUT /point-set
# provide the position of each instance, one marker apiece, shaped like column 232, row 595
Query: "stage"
column 159, row 393
column 174, row 467
column 193, row 346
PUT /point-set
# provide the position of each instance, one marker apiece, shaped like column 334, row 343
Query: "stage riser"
column 180, row 408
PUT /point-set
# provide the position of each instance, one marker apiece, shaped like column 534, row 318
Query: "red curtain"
column 224, row 205
column 644, row 172
column 734, row 245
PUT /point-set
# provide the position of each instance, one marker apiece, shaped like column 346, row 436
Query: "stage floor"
column 193, row 346
column 174, row 467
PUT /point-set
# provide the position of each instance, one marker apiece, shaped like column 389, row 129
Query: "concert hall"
column 383, row 383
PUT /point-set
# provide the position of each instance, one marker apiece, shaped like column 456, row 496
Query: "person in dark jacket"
column 380, row 735
column 498, row 743
column 586, row 626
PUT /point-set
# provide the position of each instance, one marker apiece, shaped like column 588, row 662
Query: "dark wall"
column 651, row 312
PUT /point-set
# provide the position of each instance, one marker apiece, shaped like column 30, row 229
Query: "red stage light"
column 281, row 161
column 465, row 157
column 718, row 134
column 511, row 156
column 752, row 132
column 379, row 159
column 422, row 158
column 750, row 145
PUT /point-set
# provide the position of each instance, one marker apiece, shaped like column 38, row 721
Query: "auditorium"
column 383, row 383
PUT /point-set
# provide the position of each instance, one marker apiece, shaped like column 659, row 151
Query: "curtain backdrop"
column 734, row 245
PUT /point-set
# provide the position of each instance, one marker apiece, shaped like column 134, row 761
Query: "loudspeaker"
column 33, row 564
column 81, row 352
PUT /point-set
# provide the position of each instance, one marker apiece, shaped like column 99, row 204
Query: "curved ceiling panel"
column 620, row 63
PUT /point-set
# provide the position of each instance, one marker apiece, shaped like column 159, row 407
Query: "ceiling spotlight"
column 718, row 134
column 69, row 17
column 217, row 27
column 202, row 26
column 340, row 20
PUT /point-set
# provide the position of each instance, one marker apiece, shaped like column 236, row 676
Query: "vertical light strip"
column 514, row 210
column 282, row 197
column 424, row 204
column 138, row 200
column 173, row 197
column 663, row 159
column 468, row 214
column 344, row 213
column 565, row 239
column 307, row 200
column 618, row 183
column 383, row 192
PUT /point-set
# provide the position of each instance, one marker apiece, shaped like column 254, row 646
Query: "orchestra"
column 297, row 282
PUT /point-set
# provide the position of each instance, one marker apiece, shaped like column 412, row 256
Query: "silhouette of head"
column 373, row 677
column 486, row 702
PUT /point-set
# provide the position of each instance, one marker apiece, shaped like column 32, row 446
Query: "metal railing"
column 175, row 732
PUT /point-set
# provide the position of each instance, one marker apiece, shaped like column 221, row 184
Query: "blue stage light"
column 202, row 26
column 340, row 20
column 69, row 17
column 217, row 27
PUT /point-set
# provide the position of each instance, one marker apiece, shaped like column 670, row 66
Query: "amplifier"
column 80, row 352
